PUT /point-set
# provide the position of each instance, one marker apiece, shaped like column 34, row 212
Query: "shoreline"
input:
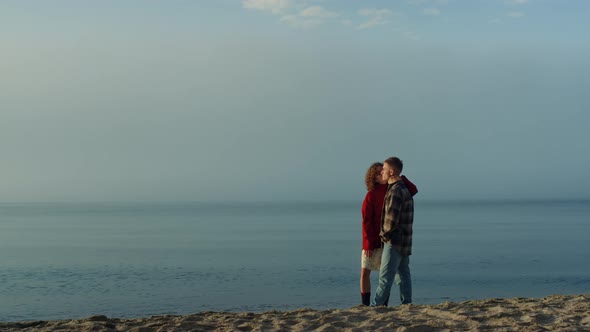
column 555, row 312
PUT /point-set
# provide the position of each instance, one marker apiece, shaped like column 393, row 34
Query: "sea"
column 126, row 260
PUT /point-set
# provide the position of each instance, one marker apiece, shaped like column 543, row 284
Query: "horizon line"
column 303, row 201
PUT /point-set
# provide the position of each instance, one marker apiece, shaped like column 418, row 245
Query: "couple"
column 388, row 215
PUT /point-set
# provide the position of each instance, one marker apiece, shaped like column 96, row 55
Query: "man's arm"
column 391, row 214
column 396, row 207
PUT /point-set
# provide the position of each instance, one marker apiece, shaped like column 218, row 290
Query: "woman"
column 371, row 212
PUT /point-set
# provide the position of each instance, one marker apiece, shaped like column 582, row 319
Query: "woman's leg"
column 366, row 286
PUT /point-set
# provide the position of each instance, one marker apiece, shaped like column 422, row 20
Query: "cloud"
column 422, row 2
column 375, row 12
column 273, row 6
column 297, row 21
column 373, row 22
column 431, row 11
column 376, row 17
column 517, row 2
column 308, row 18
column 515, row 14
column 317, row 11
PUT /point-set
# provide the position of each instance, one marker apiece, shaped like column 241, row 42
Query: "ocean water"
column 61, row 261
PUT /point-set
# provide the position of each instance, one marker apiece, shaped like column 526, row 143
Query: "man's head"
column 392, row 169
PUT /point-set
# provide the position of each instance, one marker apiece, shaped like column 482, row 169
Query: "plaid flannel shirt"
column 397, row 218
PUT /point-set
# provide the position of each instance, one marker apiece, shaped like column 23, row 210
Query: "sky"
column 283, row 100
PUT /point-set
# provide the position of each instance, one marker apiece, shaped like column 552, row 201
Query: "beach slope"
column 558, row 312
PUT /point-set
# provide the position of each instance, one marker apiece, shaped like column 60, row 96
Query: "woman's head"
column 373, row 176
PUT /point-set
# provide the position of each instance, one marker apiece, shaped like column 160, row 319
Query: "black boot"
column 366, row 298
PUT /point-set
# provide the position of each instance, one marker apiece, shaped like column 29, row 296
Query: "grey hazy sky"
column 224, row 100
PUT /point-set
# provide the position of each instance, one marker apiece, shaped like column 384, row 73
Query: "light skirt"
column 373, row 262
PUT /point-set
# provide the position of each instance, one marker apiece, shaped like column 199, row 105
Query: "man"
column 397, row 219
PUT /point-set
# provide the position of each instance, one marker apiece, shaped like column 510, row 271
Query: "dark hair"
column 395, row 163
column 370, row 176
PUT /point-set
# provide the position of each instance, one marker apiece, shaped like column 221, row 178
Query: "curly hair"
column 370, row 176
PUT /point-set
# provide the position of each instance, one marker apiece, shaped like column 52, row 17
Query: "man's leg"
column 405, row 280
column 389, row 265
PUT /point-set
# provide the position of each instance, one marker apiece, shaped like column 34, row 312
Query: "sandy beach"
column 552, row 313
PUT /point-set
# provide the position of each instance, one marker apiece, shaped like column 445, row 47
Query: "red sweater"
column 371, row 211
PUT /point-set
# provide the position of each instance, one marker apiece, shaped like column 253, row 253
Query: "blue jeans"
column 393, row 263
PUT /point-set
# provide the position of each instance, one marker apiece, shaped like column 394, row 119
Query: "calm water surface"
column 127, row 260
